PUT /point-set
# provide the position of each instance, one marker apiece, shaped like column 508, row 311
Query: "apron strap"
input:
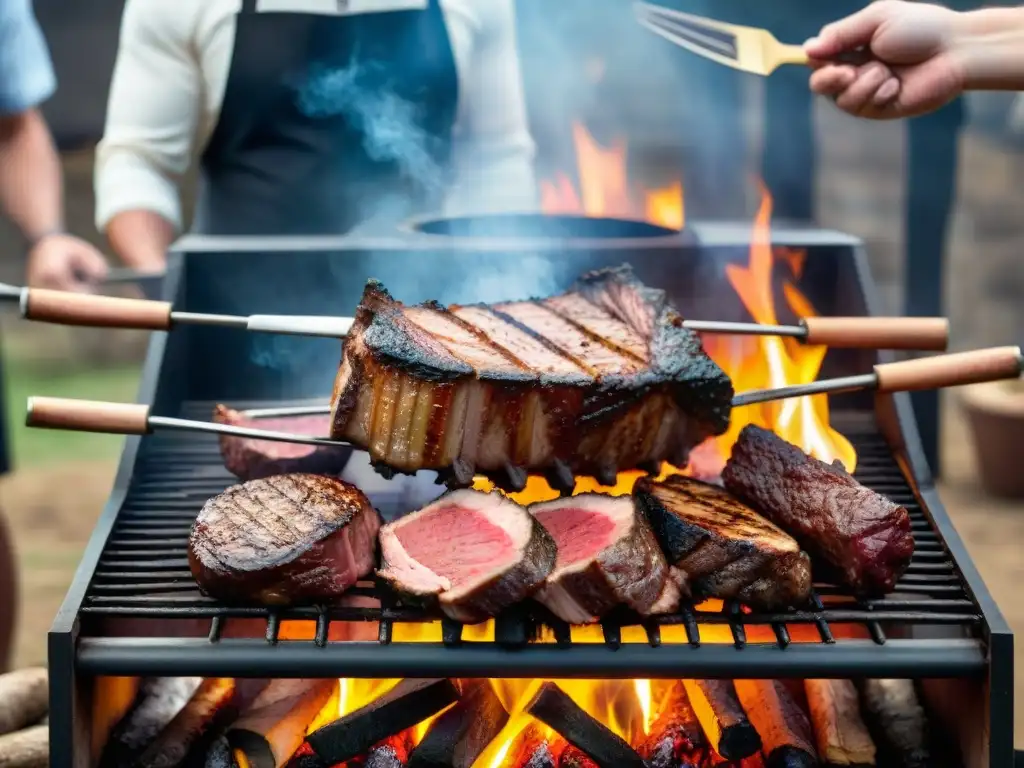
column 248, row 6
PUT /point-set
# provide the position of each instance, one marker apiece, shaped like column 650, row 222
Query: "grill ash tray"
column 142, row 588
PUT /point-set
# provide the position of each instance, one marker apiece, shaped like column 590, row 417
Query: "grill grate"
column 143, row 573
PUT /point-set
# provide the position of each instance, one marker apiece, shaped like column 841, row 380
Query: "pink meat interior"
column 579, row 533
column 313, row 426
column 457, row 543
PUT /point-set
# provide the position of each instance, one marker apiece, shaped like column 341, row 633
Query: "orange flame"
column 751, row 362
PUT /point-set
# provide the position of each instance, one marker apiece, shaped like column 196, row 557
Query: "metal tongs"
column 935, row 372
column 64, row 308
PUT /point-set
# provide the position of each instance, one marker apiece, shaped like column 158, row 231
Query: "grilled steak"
column 858, row 535
column 595, row 381
column 725, row 548
column 283, row 540
column 476, row 553
column 607, row 556
column 249, row 459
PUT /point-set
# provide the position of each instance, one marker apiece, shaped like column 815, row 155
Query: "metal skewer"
column 917, row 333
column 927, row 373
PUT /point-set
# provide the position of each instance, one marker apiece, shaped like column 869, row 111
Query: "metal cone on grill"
column 65, row 308
column 937, row 372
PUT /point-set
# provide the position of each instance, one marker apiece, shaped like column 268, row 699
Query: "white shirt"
column 170, row 77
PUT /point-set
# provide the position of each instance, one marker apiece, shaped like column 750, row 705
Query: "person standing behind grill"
column 31, row 197
column 309, row 117
column 924, row 57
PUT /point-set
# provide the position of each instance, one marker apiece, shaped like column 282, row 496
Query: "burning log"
column 726, row 725
column 112, row 699
column 274, row 725
column 158, row 700
column 191, row 732
column 842, row 737
column 573, row 757
column 675, row 739
column 24, row 698
column 552, row 706
column 899, row 721
column 786, row 736
column 408, row 703
column 29, row 748
column 456, row 738
column 533, row 750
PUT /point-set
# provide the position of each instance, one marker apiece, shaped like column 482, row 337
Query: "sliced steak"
column 607, row 556
column 475, row 553
column 862, row 538
column 250, row 459
column 284, row 540
column 595, row 381
column 724, row 548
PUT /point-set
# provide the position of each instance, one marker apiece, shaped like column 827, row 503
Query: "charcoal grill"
column 134, row 610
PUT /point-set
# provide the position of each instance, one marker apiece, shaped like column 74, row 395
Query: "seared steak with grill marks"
column 725, row 548
column 859, row 535
column 595, row 381
column 282, row 540
column 476, row 553
column 249, row 459
column 607, row 556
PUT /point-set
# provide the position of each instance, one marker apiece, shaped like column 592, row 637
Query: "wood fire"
column 510, row 723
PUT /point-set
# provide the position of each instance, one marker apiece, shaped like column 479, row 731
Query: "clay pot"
column 995, row 413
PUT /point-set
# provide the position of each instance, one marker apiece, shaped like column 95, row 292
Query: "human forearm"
column 30, row 176
column 989, row 46
column 140, row 239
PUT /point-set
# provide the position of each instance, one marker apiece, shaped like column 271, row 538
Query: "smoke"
column 391, row 126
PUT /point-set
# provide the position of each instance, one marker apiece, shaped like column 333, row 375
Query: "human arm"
column 922, row 56
column 492, row 153
column 31, row 185
column 152, row 114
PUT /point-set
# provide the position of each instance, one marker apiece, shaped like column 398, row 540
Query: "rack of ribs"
column 596, row 381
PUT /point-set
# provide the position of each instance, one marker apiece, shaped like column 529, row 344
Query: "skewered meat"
column 724, row 548
column 284, row 539
column 598, row 380
column 476, row 553
column 249, row 459
column 852, row 530
column 607, row 556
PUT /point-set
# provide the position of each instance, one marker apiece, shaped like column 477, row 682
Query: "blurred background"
column 938, row 202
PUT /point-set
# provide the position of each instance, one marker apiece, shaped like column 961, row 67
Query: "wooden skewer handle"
column 68, row 308
column 87, row 416
column 950, row 370
column 919, row 333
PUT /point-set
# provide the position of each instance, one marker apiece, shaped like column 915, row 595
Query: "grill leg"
column 8, row 594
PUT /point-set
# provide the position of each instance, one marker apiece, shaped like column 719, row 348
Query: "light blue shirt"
column 26, row 70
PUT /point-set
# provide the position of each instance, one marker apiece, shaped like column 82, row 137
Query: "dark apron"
column 329, row 122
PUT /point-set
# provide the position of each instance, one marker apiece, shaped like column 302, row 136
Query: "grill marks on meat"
column 475, row 553
column 285, row 539
column 249, row 459
column 607, row 556
column 724, row 548
column 859, row 534
column 595, row 381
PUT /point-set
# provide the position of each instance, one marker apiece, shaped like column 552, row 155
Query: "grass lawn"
column 32, row 447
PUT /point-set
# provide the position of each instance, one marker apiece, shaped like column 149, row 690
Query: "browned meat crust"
column 493, row 554
column 622, row 567
column 249, row 459
column 858, row 535
column 595, row 381
column 725, row 548
column 286, row 539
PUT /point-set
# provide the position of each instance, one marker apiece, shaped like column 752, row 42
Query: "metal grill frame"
column 73, row 656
